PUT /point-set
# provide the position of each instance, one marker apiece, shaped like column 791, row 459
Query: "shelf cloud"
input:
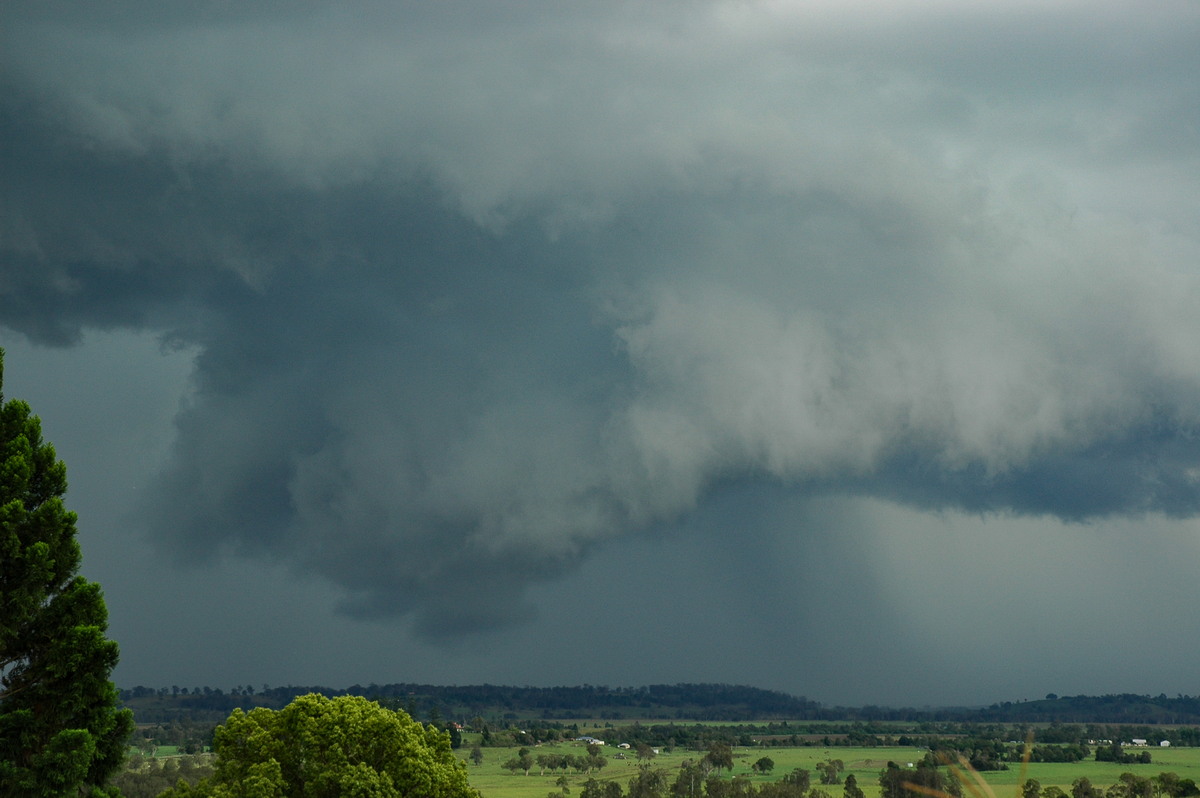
column 474, row 292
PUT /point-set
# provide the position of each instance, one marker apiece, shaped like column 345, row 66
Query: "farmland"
column 496, row 725
column 865, row 763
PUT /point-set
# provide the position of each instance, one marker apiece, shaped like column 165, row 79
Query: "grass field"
column 493, row 781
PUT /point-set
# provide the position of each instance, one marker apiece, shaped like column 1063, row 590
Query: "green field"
column 493, row 781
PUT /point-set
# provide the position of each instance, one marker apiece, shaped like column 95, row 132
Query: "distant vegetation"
column 713, row 740
column 695, row 715
column 706, row 702
column 700, row 702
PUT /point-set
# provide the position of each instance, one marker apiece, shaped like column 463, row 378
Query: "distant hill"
column 709, row 702
column 1123, row 708
column 702, row 702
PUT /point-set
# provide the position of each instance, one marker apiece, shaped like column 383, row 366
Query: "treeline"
column 708, row 702
column 185, row 717
column 704, row 702
column 703, row 778
column 999, row 742
column 1123, row 708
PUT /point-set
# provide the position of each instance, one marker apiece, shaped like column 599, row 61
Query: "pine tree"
column 61, row 732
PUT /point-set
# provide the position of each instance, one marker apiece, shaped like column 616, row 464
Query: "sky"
column 849, row 349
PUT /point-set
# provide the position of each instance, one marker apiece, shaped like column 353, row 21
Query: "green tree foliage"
column 764, row 764
column 1082, row 788
column 1072, row 752
column 898, row 782
column 690, row 781
column 720, row 755
column 782, row 789
column 319, row 747
column 737, row 787
column 61, row 732
column 1169, row 784
column 1115, row 753
column 597, row 789
column 798, row 778
column 647, row 783
column 142, row 779
column 829, row 771
column 850, row 788
column 1130, row 786
column 522, row 761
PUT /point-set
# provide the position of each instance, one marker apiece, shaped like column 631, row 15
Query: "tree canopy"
column 319, row 747
column 61, row 732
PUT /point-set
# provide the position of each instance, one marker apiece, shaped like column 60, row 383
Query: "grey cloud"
column 473, row 298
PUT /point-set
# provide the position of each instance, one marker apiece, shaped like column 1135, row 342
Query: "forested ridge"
column 701, row 702
column 710, row 702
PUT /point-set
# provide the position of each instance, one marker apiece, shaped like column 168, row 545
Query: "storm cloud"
column 476, row 289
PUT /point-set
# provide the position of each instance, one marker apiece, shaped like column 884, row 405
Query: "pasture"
column 493, row 781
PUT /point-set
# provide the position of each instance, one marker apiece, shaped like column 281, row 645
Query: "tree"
column 954, row 786
column 61, row 732
column 798, row 778
column 764, row 764
column 1166, row 784
column 898, row 782
column 522, row 761
column 829, row 771
column 319, row 746
column 690, row 781
column 1135, row 786
column 1032, row 788
column 1114, row 753
column 596, row 789
column 720, row 755
column 850, row 788
column 647, row 783
column 477, row 755
column 1186, row 787
column 1082, row 788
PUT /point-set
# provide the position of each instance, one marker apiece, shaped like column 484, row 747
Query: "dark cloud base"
column 456, row 325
